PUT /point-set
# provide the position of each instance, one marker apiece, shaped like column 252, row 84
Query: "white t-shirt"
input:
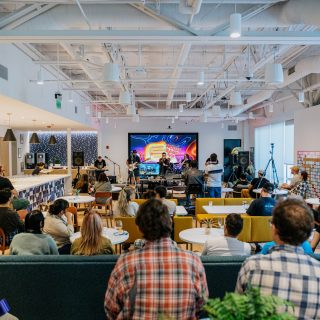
column 214, row 172
column 131, row 210
column 170, row 204
column 226, row 246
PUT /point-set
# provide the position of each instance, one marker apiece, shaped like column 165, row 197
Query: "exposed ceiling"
column 161, row 47
column 35, row 118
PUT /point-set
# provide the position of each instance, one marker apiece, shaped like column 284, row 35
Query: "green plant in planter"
column 57, row 161
column 248, row 306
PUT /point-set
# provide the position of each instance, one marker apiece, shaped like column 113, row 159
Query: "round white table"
column 78, row 199
column 278, row 192
column 116, row 189
column 313, row 201
column 109, row 233
column 199, row 235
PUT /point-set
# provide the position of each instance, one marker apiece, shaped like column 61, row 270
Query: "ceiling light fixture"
column 40, row 77
column 251, row 117
column 99, row 115
column 131, row 110
column 222, row 125
column 201, row 79
column 34, row 137
column 107, row 120
column 271, row 107
column 87, row 109
column 273, row 73
column 188, row 97
column 111, row 72
column 216, row 110
column 9, row 135
column 235, row 98
column 52, row 139
column 70, row 96
column 180, row 108
column 235, row 25
column 301, row 96
column 176, row 116
column 172, row 120
column 125, row 97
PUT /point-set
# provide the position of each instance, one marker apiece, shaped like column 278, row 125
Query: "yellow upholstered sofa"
column 140, row 201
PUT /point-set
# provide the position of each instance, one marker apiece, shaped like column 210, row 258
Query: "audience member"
column 161, row 193
column 5, row 183
column 150, row 194
column 193, row 180
column 265, row 204
column 296, row 178
column 83, row 184
column 242, row 183
column 159, row 280
column 302, row 187
column 257, row 183
column 91, row 242
column 228, row 245
column 214, row 171
column 125, row 207
column 103, row 184
column 9, row 219
column 316, row 235
column 33, row 241
column 306, row 247
column 58, row 224
column 287, row 272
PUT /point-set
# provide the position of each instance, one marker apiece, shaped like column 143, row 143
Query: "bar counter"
column 41, row 188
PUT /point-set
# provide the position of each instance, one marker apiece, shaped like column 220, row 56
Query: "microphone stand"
column 114, row 166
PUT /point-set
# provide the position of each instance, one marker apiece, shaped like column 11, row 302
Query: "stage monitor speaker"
column 243, row 158
column 78, row 159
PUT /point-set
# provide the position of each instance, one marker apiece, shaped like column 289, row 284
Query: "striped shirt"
column 158, row 280
column 288, row 273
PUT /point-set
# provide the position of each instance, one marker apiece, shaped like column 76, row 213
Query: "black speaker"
column 243, row 159
column 78, row 159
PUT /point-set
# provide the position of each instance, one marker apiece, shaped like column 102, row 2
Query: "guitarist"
column 133, row 167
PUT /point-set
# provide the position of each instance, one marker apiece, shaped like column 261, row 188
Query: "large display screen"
column 150, row 146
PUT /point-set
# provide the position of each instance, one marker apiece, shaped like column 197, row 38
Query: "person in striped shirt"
column 159, row 280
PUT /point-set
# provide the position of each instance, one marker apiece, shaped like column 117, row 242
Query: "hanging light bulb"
column 235, row 25
column 70, row 96
column 40, row 77
column 188, row 96
column 111, row 72
column 9, row 135
column 201, row 79
column 107, row 120
column 301, row 96
column 235, row 98
column 181, row 108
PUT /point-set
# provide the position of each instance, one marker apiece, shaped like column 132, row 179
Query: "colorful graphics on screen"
column 151, row 146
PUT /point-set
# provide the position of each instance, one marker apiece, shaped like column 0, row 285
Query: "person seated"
column 265, row 204
column 287, row 271
column 316, row 235
column 228, row 244
column 193, row 177
column 159, row 280
column 9, row 219
column 161, row 193
column 5, row 183
column 125, row 207
column 103, row 184
column 257, row 183
column 150, row 194
column 37, row 169
column 305, row 246
column 33, row 241
column 58, row 224
column 302, row 187
column 296, row 178
column 91, row 242
column 249, row 172
column 242, row 183
column 83, row 184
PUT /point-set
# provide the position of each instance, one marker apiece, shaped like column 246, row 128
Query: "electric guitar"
column 133, row 166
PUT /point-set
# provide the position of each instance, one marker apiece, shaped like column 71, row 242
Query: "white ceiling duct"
column 186, row 8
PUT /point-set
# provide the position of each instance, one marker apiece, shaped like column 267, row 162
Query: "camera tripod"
column 274, row 176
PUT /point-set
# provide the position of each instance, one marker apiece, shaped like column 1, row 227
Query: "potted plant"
column 251, row 305
column 57, row 162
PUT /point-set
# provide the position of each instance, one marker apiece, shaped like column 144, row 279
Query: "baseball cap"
column 268, row 187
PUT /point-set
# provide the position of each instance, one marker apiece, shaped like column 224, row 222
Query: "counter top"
column 25, row 182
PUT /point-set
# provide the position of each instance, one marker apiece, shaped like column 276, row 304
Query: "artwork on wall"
column 80, row 141
column 310, row 162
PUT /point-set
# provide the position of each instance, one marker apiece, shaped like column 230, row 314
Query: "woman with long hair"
column 33, row 241
column 83, row 184
column 91, row 241
column 59, row 225
column 103, row 184
column 125, row 207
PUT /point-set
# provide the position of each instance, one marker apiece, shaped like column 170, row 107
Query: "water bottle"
column 4, row 311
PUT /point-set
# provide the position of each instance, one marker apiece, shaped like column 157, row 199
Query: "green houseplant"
column 248, row 306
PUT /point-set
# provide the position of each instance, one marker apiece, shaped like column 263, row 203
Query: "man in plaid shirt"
column 287, row 272
column 159, row 279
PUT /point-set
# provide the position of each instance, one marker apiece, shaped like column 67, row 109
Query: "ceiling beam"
column 157, row 37
column 139, row 1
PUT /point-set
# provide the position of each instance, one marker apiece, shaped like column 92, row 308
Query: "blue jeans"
column 214, row 192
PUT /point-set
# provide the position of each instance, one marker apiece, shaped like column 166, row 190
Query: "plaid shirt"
column 288, row 273
column 158, row 280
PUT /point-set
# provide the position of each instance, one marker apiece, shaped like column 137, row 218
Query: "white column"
column 68, row 181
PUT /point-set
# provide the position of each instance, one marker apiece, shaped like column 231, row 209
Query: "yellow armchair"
column 129, row 224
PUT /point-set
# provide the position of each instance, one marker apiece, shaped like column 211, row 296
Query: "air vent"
column 3, row 72
column 291, row 70
column 232, row 127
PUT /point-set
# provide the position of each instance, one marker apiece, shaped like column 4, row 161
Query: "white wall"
column 210, row 137
column 307, row 130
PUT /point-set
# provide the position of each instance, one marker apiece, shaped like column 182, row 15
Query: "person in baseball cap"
column 296, row 178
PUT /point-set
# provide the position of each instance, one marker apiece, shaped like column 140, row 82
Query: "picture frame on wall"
column 19, row 152
column 21, row 138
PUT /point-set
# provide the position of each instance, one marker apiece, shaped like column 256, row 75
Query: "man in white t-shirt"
column 228, row 245
column 214, row 171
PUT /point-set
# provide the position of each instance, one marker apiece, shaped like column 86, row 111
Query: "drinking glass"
column 210, row 203
column 220, row 222
column 245, row 205
column 119, row 226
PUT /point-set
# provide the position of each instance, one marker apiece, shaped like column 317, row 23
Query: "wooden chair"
column 74, row 212
column 3, row 246
column 22, row 214
column 104, row 199
column 180, row 224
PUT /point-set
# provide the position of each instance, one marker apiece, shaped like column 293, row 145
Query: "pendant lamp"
column 235, row 98
column 111, row 72
column 274, row 73
column 9, row 135
column 125, row 97
column 52, row 140
column 235, row 25
column 34, row 137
